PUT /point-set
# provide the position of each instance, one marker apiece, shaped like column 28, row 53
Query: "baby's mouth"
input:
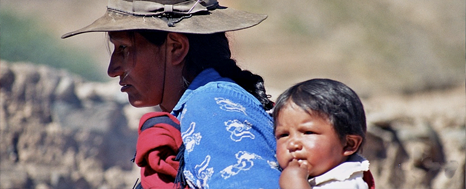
column 302, row 162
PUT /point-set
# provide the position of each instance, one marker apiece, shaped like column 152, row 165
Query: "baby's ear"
column 352, row 144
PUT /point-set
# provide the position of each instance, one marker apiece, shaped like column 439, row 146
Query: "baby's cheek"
column 282, row 157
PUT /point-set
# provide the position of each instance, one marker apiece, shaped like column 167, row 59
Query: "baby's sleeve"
column 356, row 181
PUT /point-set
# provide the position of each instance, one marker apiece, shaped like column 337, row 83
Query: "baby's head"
column 319, row 122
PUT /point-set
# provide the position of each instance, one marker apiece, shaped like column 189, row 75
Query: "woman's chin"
column 136, row 103
column 141, row 104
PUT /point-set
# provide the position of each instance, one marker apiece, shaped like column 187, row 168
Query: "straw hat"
column 181, row 16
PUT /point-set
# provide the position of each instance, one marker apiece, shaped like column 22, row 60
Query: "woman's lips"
column 125, row 88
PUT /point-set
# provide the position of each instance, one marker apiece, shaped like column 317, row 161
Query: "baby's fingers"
column 294, row 163
column 302, row 164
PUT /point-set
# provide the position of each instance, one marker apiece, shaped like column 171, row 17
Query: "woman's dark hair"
column 213, row 51
column 329, row 99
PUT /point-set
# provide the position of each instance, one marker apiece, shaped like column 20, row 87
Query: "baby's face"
column 309, row 139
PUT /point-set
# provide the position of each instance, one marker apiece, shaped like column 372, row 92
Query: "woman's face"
column 309, row 139
column 140, row 65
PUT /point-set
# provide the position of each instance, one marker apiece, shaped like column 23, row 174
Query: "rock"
column 53, row 137
column 417, row 141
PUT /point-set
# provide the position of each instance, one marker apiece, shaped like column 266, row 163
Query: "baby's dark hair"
column 213, row 51
column 330, row 99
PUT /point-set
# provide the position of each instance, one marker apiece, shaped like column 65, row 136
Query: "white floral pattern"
column 228, row 105
column 244, row 163
column 239, row 130
column 203, row 174
column 191, row 139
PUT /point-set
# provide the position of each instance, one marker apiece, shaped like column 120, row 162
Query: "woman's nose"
column 114, row 67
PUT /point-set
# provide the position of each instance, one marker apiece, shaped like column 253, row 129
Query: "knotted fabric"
column 156, row 149
column 154, row 7
column 185, row 7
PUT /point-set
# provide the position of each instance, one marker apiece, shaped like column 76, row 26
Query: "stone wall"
column 59, row 131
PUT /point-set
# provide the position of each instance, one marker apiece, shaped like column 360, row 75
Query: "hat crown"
column 181, row 16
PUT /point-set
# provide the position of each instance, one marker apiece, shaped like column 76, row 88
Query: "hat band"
column 150, row 8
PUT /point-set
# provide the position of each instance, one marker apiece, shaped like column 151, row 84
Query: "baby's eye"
column 308, row 132
column 281, row 135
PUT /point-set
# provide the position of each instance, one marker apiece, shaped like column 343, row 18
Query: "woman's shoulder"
column 227, row 98
column 223, row 91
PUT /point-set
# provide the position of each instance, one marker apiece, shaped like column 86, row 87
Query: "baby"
column 320, row 127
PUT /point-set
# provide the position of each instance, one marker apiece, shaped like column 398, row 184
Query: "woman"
column 174, row 54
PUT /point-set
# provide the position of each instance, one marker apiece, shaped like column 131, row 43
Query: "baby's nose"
column 294, row 145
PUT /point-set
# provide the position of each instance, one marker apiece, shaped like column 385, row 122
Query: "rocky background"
column 404, row 58
column 59, row 131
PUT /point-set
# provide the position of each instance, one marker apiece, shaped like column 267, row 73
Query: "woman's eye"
column 119, row 48
column 122, row 47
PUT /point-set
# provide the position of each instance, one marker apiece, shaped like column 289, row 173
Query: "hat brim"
column 222, row 19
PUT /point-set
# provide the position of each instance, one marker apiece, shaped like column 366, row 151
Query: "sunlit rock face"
column 59, row 131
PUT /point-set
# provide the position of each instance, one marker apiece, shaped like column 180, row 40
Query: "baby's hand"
column 295, row 175
column 296, row 169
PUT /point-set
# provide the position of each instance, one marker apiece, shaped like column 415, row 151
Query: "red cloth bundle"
column 156, row 150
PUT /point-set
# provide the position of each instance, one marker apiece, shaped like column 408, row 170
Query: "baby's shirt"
column 348, row 174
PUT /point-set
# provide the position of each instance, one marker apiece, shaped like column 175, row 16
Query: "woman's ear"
column 177, row 48
column 352, row 144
